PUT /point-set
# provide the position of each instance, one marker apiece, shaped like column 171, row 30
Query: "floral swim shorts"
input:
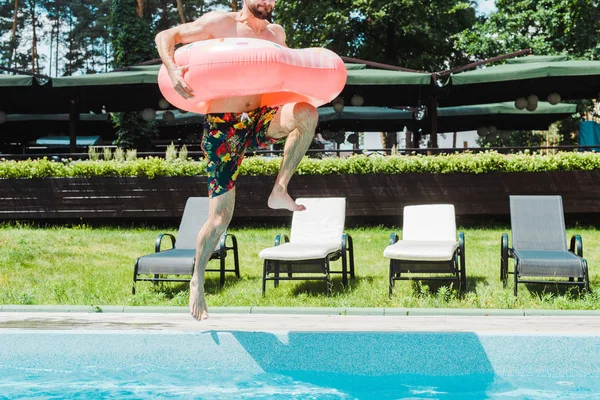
column 225, row 140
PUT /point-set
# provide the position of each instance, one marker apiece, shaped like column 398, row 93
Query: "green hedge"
column 443, row 164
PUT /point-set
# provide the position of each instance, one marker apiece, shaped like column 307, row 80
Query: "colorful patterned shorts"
column 226, row 138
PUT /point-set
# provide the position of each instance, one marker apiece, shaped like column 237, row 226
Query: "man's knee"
column 219, row 222
column 306, row 116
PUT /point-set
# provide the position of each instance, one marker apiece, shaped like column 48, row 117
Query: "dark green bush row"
column 444, row 164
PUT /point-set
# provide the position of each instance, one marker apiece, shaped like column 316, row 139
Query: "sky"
column 486, row 6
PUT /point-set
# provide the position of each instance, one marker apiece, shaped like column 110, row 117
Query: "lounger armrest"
column 346, row 242
column 280, row 237
column 576, row 245
column 223, row 242
column 393, row 238
column 159, row 241
column 504, row 254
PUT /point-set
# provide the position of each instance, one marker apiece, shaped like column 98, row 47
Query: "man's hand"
column 176, row 75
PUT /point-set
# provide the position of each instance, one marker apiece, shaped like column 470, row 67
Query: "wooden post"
column 433, row 114
column 73, row 122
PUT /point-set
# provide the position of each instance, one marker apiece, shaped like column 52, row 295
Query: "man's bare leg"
column 298, row 122
column 220, row 211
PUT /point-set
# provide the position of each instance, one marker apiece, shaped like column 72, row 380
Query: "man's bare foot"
column 197, row 301
column 281, row 199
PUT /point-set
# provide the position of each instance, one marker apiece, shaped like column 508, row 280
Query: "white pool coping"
column 286, row 320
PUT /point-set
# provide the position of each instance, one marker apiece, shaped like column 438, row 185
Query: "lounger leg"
column 391, row 279
column 344, row 269
column 351, row 249
column 156, row 276
column 236, row 262
column 264, row 280
column 586, row 276
column 327, row 276
column 516, row 280
column 276, row 284
column 135, row 269
column 222, row 272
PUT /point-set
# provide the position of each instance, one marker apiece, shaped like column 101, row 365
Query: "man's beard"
column 261, row 14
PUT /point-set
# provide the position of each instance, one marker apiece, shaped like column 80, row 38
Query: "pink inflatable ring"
column 222, row 68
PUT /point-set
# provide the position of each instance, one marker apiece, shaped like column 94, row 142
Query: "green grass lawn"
column 82, row 265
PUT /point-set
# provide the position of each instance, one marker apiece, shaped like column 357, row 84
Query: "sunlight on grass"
column 82, row 265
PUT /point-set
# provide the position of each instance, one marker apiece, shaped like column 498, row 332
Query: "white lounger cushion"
column 299, row 251
column 421, row 250
column 316, row 231
column 428, row 234
column 322, row 221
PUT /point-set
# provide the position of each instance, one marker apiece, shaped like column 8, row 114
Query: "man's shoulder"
column 275, row 27
column 218, row 16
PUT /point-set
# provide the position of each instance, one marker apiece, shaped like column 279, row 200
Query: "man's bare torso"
column 229, row 27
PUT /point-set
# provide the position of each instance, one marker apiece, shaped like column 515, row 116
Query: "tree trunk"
column 234, row 6
column 180, row 11
column 13, row 40
column 57, row 44
column 140, row 8
column 35, row 65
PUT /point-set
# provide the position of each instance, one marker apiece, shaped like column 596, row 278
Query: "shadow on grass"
column 319, row 287
column 541, row 290
column 211, row 286
column 432, row 287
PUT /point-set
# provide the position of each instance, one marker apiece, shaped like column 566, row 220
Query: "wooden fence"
column 367, row 195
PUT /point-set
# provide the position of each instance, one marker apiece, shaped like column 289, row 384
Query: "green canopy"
column 521, row 77
column 16, row 80
column 504, row 116
column 134, row 76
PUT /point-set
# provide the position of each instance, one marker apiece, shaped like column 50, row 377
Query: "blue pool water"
column 297, row 365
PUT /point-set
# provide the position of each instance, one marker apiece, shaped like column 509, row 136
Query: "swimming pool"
column 297, row 365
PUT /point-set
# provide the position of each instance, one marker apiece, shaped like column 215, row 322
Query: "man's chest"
column 244, row 31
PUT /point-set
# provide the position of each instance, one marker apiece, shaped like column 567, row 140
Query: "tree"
column 131, row 34
column 409, row 33
column 546, row 26
column 133, row 43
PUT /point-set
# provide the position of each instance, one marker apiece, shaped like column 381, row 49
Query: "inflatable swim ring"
column 222, row 68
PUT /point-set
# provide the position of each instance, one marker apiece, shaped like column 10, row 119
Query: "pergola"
column 368, row 85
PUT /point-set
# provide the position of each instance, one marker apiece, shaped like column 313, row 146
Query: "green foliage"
column 183, row 153
column 409, row 33
column 107, row 154
column 119, row 155
column 469, row 163
column 131, row 35
column 548, row 27
column 133, row 42
column 171, row 152
column 133, row 131
column 93, row 153
column 131, row 155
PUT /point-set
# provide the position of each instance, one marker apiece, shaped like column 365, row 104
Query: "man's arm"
column 279, row 34
column 201, row 29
